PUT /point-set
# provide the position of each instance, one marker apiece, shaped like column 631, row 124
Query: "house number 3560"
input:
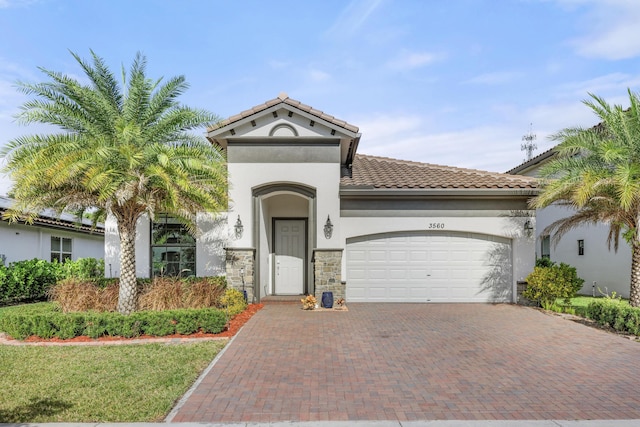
column 436, row 225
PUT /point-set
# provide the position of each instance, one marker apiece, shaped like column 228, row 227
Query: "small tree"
column 124, row 149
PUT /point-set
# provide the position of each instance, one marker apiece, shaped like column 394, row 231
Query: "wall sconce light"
column 528, row 228
column 581, row 247
column 238, row 228
column 328, row 228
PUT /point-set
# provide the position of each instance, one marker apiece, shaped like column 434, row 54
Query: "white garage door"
column 429, row 267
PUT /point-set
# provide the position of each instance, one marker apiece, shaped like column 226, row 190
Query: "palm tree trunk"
column 634, row 293
column 128, row 283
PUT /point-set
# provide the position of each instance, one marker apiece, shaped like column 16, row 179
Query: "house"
column 49, row 237
column 310, row 214
column 603, row 269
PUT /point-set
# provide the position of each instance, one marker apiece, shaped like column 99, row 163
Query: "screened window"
column 61, row 248
column 545, row 247
column 173, row 249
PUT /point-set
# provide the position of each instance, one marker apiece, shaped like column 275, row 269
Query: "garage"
column 429, row 267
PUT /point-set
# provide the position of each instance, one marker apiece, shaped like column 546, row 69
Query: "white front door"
column 289, row 256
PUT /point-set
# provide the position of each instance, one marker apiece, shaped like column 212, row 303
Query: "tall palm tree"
column 124, row 149
column 596, row 172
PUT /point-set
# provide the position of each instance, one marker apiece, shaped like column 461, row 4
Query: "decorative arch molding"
column 301, row 189
column 283, row 130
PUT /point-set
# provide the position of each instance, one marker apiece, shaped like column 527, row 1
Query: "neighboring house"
column 309, row 214
column 603, row 270
column 49, row 237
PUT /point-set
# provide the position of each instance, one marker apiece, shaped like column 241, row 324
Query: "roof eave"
column 350, row 191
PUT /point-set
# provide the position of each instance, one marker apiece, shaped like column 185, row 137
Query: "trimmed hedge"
column 95, row 325
column 613, row 313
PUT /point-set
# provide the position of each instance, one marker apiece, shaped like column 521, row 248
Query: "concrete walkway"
column 399, row 363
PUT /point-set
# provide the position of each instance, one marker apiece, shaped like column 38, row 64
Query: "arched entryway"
column 284, row 217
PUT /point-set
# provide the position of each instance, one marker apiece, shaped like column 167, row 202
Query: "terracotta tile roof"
column 382, row 172
column 283, row 98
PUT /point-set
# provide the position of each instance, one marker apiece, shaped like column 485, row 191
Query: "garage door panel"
column 421, row 266
column 396, row 274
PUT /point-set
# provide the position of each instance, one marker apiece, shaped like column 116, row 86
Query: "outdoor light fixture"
column 528, row 227
column 238, row 228
column 328, row 228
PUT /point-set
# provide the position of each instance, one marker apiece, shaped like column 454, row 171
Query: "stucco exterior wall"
column 324, row 177
column 610, row 270
column 23, row 242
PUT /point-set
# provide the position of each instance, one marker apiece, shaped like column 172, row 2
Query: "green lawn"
column 112, row 383
column 580, row 303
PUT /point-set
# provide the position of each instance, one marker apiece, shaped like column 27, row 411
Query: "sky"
column 449, row 82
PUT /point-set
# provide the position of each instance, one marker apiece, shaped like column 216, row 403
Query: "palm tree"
column 596, row 172
column 123, row 149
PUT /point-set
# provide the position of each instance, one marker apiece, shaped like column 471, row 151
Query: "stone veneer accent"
column 238, row 258
column 327, row 276
column 521, row 287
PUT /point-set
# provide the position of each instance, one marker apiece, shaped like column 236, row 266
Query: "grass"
column 35, row 308
column 579, row 304
column 114, row 383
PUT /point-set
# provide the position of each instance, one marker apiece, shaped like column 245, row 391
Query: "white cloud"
column 615, row 84
column 495, row 78
column 407, row 60
column 493, row 146
column 610, row 28
column 277, row 65
column 319, row 75
column 5, row 4
column 353, row 17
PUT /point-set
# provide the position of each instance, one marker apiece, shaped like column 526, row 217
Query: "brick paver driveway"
column 418, row 362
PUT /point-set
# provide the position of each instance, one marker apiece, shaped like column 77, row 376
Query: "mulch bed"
column 234, row 326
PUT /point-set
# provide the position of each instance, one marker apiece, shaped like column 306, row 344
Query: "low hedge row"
column 95, row 325
column 613, row 313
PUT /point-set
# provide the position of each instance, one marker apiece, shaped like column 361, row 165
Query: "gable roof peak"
column 282, row 96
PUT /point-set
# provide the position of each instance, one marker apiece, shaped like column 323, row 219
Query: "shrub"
column 544, row 262
column 27, row 280
column 158, row 294
column 211, row 320
column 205, row 292
column 159, row 324
column 163, row 293
column 612, row 312
column 233, row 301
column 186, row 321
column 83, row 295
column 546, row 284
column 83, row 268
column 95, row 325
